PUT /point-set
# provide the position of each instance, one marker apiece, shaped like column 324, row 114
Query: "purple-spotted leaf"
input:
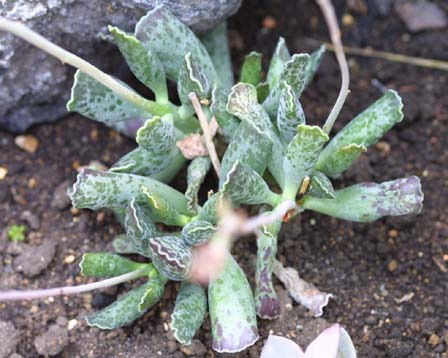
column 301, row 156
column 364, row 130
column 95, row 101
column 127, row 308
column 227, row 122
column 245, row 186
column 171, row 257
column 209, row 211
column 104, row 264
column 232, row 310
column 280, row 57
column 170, row 40
column 144, row 64
column 290, row 113
column 370, row 201
column 251, row 69
column 196, row 173
column 197, row 232
column 320, row 186
column 189, row 312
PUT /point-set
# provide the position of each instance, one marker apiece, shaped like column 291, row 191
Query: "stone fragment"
column 34, row 259
column 421, row 15
column 9, row 338
column 52, row 342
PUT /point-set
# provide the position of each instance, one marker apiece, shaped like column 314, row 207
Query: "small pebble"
column 32, row 183
column 393, row 233
column 52, row 342
column 392, row 265
column 9, row 338
column 348, row 20
column 69, row 259
column 196, row 348
column 71, row 324
column 433, row 339
column 3, row 173
column 28, row 143
column 31, row 219
column 269, row 22
column 34, row 259
column 60, row 197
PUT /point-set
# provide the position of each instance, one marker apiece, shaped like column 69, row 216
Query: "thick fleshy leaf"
column 346, row 347
column 95, row 101
column 266, row 302
column 232, row 310
column 170, row 40
column 171, row 257
column 192, row 78
column 280, row 57
column 370, row 201
column 301, row 155
column 198, row 232
column 189, row 312
column 139, row 227
column 209, row 211
column 320, row 186
column 128, row 308
column 104, row 264
column 227, row 122
column 326, row 344
column 277, row 346
column 290, row 113
column 157, row 135
column 196, row 173
column 245, row 186
column 262, row 91
column 275, row 164
column 144, row 64
column 314, row 63
column 217, row 46
column 364, row 130
column 122, row 245
column 251, row 70
column 97, row 189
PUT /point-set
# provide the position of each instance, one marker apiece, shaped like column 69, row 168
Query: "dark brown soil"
column 389, row 277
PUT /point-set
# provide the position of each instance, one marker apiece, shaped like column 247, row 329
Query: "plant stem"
column 16, row 295
column 335, row 34
column 277, row 214
column 65, row 56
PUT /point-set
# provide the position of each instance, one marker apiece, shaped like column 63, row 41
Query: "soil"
column 389, row 278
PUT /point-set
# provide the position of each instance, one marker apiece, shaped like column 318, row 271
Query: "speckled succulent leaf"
column 217, row 46
column 189, row 312
column 321, row 186
column 209, row 210
column 139, row 227
column 170, row 40
column 232, row 310
column 144, row 64
column 251, row 69
column 153, row 293
column 171, row 257
column 192, row 79
column 227, row 122
column 262, row 91
column 95, row 101
column 157, row 134
column 340, row 159
column 266, row 302
column 290, row 113
column 346, row 347
column 196, row 173
column 162, row 210
column 279, row 58
column 245, row 186
column 370, row 201
column 103, row 264
column 302, row 154
column 97, row 189
column 198, row 232
column 366, row 128
column 122, row 245
column 249, row 147
column 314, row 63
column 122, row 312
column 275, row 164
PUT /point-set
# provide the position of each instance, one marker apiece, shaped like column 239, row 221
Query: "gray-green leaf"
column 196, row 173
column 320, row 186
column 314, row 63
column 279, row 58
column 198, row 232
column 104, row 264
column 251, row 69
column 227, row 123
column 290, row 113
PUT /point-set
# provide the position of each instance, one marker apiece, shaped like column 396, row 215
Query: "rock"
column 15, row 355
column 30, row 96
column 33, row 260
column 421, row 15
column 31, row 219
column 9, row 338
column 52, row 342
column 196, row 348
column 28, row 143
column 61, row 200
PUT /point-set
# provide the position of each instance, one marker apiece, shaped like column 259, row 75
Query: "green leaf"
column 107, row 265
column 122, row 245
column 198, row 232
column 157, row 135
column 251, row 70
column 95, row 101
column 227, row 122
column 127, row 308
column 290, row 113
column 170, row 40
column 320, row 186
column 370, row 201
column 196, row 173
column 232, row 310
column 171, row 257
column 262, row 91
column 315, row 60
column 364, row 130
column 245, row 186
column 144, row 64
column 209, row 211
column 97, row 189
column 218, row 48
column 153, row 293
column 192, row 78
column 301, row 156
column 189, row 312
column 279, row 58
